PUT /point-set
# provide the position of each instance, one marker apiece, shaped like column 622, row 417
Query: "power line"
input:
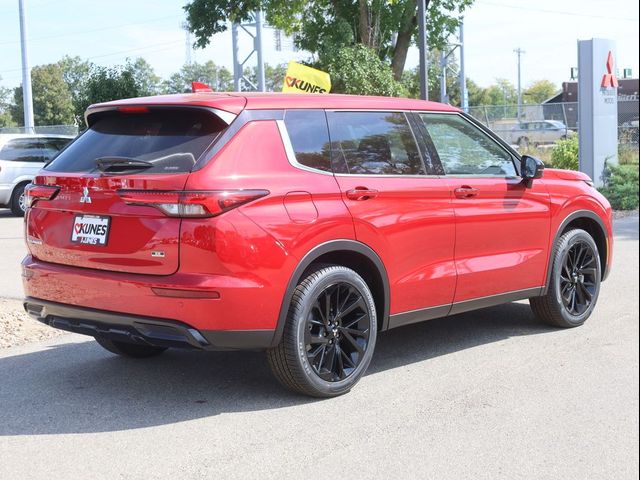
column 173, row 43
column 112, row 27
column 557, row 12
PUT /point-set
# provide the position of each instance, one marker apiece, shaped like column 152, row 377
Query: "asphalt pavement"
column 484, row 395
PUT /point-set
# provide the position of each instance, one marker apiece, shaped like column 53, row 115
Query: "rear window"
column 23, row 150
column 171, row 139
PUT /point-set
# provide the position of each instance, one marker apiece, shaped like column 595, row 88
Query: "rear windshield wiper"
column 121, row 164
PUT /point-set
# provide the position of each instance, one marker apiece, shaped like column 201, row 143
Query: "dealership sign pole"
column 597, row 106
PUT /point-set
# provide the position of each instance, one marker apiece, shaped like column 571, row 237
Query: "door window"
column 466, row 150
column 373, row 143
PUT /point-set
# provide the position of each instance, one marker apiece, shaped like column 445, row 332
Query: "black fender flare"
column 312, row 256
column 578, row 214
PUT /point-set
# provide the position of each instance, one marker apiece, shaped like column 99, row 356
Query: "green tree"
column 539, row 91
column 75, row 73
column 52, row 102
column 358, row 70
column 144, row 77
column 411, row 79
column 6, row 119
column 323, row 27
column 273, row 76
column 218, row 78
column 103, row 84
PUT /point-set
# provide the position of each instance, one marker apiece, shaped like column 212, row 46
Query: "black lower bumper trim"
column 143, row 330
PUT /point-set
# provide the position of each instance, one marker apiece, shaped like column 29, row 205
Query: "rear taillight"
column 191, row 203
column 33, row 193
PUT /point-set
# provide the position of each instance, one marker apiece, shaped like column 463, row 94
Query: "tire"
column 18, row 203
column 129, row 349
column 575, row 282
column 329, row 335
column 523, row 142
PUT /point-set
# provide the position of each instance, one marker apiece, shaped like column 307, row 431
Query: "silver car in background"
column 542, row 132
column 21, row 157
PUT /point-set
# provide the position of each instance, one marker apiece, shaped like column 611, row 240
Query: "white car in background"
column 542, row 132
column 21, row 157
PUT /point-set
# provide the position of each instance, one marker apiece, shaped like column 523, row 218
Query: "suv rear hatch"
column 110, row 200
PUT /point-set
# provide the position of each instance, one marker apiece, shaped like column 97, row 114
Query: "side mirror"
column 530, row 169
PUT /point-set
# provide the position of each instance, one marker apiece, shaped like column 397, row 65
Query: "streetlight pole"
column 519, row 52
column 27, row 99
column 464, row 95
column 422, row 46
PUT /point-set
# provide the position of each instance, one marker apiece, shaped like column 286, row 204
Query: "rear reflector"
column 176, row 293
column 193, row 203
column 34, row 193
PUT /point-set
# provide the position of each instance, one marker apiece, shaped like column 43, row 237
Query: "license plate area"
column 91, row 230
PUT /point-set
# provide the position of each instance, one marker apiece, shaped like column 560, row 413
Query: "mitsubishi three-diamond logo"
column 609, row 79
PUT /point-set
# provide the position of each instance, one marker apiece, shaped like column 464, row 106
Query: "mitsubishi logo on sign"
column 85, row 198
column 609, row 79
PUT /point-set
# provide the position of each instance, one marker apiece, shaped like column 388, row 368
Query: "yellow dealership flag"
column 303, row 79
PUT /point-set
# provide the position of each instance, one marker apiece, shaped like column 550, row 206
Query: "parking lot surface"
column 490, row 394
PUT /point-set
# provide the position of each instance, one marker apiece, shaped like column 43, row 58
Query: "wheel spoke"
column 585, row 293
column 355, row 321
column 580, row 295
column 357, row 303
column 353, row 331
column 318, row 340
column 353, row 342
column 347, row 358
column 588, row 271
column 339, row 363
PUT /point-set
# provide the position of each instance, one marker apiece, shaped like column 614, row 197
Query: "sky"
column 109, row 31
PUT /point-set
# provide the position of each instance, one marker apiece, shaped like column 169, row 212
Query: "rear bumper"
column 143, row 330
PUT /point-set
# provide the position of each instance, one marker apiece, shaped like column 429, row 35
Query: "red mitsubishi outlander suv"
column 302, row 225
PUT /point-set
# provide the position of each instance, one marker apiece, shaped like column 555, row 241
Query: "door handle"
column 361, row 193
column 466, row 192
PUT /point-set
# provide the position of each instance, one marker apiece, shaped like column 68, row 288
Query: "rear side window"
column 309, row 138
column 23, row 150
column 171, row 139
column 373, row 143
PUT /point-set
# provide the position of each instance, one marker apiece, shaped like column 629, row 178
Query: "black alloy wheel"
column 329, row 334
column 578, row 278
column 574, row 284
column 338, row 327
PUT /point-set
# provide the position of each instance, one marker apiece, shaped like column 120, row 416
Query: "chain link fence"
column 43, row 130
column 544, row 124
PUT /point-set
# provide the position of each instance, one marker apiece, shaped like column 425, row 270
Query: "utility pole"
column 422, row 46
column 258, row 48
column 237, row 68
column 464, row 95
column 187, row 43
column 239, row 79
column 443, row 77
column 27, row 99
column 519, row 52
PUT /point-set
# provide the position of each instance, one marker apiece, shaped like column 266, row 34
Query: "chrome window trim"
column 373, row 175
column 291, row 154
